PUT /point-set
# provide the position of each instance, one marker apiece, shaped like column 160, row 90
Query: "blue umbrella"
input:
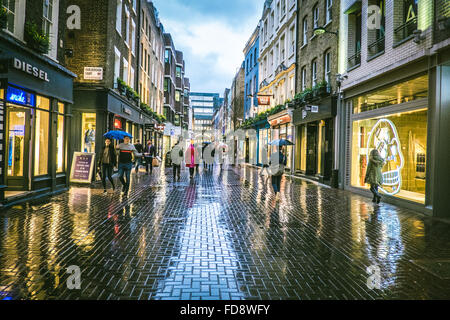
column 281, row 142
column 117, row 135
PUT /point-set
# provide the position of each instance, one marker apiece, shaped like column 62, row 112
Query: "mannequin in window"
column 89, row 139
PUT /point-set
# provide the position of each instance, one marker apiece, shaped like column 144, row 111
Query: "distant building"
column 251, row 53
column 204, row 105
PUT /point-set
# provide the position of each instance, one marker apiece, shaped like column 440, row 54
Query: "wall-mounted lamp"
column 321, row 30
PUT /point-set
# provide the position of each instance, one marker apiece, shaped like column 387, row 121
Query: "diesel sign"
column 28, row 68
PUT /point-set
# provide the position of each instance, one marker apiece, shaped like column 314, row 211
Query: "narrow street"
column 221, row 236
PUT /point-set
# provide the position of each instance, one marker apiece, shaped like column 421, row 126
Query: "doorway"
column 18, row 148
column 311, row 149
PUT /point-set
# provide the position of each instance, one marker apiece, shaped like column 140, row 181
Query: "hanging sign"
column 264, row 100
column 82, row 167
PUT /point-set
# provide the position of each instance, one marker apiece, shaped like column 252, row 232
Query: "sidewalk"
column 221, row 236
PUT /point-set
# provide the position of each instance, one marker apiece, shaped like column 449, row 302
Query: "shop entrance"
column 18, row 148
column 311, row 149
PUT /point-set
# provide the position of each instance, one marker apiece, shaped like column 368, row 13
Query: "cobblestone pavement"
column 221, row 236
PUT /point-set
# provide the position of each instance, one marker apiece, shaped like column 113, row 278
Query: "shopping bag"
column 155, row 162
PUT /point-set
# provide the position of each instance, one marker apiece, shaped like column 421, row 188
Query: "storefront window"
column 402, row 141
column 88, row 129
column 41, row 136
column 60, row 139
column 303, row 134
column 403, row 92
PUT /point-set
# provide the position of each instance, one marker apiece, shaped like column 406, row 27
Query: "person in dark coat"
column 150, row 154
column 374, row 177
column 277, row 170
column 107, row 160
column 139, row 149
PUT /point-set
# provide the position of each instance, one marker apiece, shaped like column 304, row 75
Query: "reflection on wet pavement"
column 221, row 236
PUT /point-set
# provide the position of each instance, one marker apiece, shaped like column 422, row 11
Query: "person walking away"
column 176, row 162
column 374, row 177
column 107, row 160
column 126, row 151
column 265, row 162
column 191, row 161
column 139, row 149
column 277, row 170
column 150, row 153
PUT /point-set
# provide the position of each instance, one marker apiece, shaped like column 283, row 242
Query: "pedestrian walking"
column 191, row 160
column 176, row 163
column 277, row 169
column 150, row 154
column 107, row 160
column 126, row 151
column 139, row 149
column 265, row 162
column 374, row 177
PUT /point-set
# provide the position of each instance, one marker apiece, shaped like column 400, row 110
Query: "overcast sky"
column 212, row 35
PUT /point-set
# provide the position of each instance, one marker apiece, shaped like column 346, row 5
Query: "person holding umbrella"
column 125, row 151
column 107, row 160
column 278, row 161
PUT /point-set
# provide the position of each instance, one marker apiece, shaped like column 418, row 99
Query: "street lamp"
column 321, row 30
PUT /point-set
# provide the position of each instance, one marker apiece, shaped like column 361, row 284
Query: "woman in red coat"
column 191, row 158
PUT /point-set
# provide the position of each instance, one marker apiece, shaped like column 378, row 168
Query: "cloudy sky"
column 212, row 35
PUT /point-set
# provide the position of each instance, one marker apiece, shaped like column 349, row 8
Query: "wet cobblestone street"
column 221, row 236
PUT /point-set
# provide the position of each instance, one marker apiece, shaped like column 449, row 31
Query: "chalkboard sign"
column 82, row 167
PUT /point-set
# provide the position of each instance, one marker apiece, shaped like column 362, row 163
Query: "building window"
column 47, row 16
column 255, row 57
column 354, row 45
column 327, row 67
column 303, row 78
column 177, row 96
column 316, row 16
column 305, row 31
column 405, row 10
column 88, row 129
column 119, row 16
column 41, row 136
column 283, row 8
column 314, row 72
column 282, row 50
column 60, row 139
column 375, row 36
column 127, row 29
column 132, row 78
column 178, row 72
column 10, row 6
column 167, row 56
column 116, row 64
column 133, row 37
column 125, row 71
column 328, row 11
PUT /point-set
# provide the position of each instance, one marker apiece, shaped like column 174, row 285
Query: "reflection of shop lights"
column 391, row 178
column 117, row 124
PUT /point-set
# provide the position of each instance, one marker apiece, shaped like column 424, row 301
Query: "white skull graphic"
column 384, row 137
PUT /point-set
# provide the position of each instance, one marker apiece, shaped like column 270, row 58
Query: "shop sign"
column 126, row 110
column 315, row 109
column 281, row 120
column 19, row 96
column 264, row 100
column 117, row 124
column 93, row 73
column 28, row 68
column 304, row 114
column 82, row 167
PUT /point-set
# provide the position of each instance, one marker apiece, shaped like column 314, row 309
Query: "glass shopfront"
column 401, row 140
column 263, row 147
column 41, row 136
column 398, row 132
column 60, row 150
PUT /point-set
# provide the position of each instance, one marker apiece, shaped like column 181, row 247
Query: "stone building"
column 316, row 103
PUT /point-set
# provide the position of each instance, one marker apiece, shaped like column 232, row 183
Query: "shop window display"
column 401, row 140
column 88, row 127
column 60, row 139
column 41, row 136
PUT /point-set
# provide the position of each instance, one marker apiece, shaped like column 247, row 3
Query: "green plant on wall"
column 36, row 39
column 3, row 18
